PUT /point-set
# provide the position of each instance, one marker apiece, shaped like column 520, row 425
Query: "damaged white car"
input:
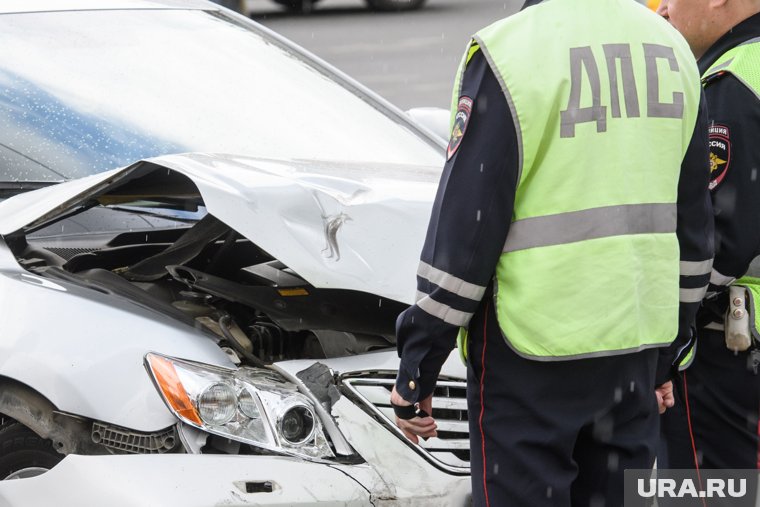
column 198, row 329
column 240, row 346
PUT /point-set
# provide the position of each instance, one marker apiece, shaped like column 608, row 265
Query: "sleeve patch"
column 720, row 154
column 461, row 119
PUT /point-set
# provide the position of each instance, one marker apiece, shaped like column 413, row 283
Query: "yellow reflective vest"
column 604, row 103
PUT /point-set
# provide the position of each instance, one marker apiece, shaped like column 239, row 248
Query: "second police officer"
column 715, row 420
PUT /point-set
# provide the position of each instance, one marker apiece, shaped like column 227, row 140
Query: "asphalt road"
column 409, row 58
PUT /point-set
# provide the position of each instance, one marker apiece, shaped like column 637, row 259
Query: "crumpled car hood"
column 341, row 226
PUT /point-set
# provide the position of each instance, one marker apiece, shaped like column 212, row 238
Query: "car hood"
column 14, row 6
column 338, row 225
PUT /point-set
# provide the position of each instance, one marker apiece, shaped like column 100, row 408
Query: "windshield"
column 88, row 91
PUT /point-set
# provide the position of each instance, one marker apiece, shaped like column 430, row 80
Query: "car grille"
column 128, row 441
column 451, row 449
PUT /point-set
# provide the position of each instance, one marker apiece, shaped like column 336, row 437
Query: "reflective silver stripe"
column 592, row 223
column 696, row 268
column 681, row 349
column 510, row 102
column 450, row 282
column 692, row 295
column 444, row 312
column 751, row 41
column 717, row 278
column 754, row 268
column 721, row 66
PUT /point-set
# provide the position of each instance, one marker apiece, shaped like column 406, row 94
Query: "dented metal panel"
column 338, row 225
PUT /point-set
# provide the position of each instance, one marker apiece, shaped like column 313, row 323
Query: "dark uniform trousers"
column 724, row 427
column 555, row 433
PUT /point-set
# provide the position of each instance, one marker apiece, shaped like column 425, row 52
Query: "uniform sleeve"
column 695, row 239
column 735, row 162
column 468, row 227
column 735, row 186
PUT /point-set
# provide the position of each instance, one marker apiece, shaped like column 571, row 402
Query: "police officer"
column 574, row 191
column 716, row 416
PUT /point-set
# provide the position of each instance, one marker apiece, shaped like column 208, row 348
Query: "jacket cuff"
column 407, row 384
column 666, row 370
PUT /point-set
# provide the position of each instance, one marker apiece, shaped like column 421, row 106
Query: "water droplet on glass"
column 632, row 386
column 478, row 216
column 549, row 492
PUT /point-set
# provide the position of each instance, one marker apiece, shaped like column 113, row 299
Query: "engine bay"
column 149, row 240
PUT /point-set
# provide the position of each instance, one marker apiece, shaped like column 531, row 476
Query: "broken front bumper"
column 395, row 473
column 204, row 480
column 186, row 480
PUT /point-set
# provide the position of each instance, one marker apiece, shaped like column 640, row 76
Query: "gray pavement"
column 408, row 58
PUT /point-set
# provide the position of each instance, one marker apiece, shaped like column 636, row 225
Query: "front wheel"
column 395, row 5
column 23, row 453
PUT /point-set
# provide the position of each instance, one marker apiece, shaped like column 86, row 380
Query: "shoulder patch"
column 461, row 120
column 720, row 154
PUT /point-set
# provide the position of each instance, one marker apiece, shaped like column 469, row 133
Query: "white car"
column 307, row 5
column 213, row 324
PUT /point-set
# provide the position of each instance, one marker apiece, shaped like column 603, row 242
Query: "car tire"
column 395, row 5
column 297, row 5
column 23, row 453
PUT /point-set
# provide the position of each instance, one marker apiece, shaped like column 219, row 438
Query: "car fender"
column 69, row 435
column 84, row 351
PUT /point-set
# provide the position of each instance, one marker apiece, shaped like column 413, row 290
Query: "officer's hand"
column 417, row 426
column 665, row 398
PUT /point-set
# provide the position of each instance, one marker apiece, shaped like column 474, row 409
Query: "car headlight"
column 250, row 405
